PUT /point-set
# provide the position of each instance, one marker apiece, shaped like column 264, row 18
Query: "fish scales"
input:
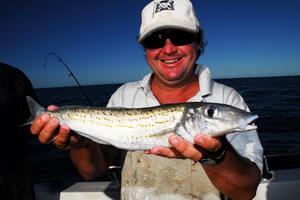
column 141, row 129
column 130, row 126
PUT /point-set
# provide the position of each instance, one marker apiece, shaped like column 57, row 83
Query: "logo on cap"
column 164, row 5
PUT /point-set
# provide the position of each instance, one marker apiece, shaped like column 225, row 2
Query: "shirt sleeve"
column 245, row 143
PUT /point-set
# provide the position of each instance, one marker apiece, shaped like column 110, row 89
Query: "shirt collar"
column 201, row 71
column 204, row 78
column 146, row 83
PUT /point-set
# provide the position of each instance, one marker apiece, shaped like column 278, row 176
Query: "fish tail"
column 35, row 110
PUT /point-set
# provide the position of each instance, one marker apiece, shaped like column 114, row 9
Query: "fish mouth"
column 248, row 125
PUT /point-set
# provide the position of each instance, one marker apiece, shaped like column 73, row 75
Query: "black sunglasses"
column 178, row 38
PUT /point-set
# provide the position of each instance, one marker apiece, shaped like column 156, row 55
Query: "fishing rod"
column 71, row 74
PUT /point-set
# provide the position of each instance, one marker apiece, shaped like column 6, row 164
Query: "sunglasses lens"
column 179, row 38
column 155, row 41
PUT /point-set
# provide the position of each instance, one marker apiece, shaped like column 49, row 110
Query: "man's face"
column 172, row 64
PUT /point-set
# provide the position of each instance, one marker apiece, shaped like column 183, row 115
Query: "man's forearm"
column 90, row 161
column 236, row 177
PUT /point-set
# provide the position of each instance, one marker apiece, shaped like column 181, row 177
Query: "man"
column 15, row 182
column 172, row 38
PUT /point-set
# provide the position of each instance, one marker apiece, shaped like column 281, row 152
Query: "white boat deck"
column 284, row 185
column 105, row 190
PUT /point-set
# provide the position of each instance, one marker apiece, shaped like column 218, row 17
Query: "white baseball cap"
column 168, row 14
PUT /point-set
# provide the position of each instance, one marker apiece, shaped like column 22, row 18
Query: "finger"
column 48, row 132
column 51, row 108
column 77, row 141
column 62, row 140
column 207, row 142
column 39, row 123
column 185, row 148
column 147, row 152
column 165, row 152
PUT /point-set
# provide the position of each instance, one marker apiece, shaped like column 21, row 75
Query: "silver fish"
column 144, row 128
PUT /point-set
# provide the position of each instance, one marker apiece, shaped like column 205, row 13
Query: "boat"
column 280, row 180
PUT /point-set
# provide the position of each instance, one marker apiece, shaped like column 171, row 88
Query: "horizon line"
column 213, row 77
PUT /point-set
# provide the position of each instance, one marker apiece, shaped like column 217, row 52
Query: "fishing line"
column 68, row 74
column 71, row 74
column 62, row 66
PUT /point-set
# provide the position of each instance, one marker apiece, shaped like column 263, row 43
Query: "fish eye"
column 211, row 111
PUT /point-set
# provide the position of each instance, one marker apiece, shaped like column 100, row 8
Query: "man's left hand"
column 184, row 149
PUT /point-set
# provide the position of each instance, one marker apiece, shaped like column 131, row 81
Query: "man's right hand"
column 49, row 131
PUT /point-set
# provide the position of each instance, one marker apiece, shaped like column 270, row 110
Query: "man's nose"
column 169, row 47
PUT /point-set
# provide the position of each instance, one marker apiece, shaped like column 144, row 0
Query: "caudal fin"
column 35, row 110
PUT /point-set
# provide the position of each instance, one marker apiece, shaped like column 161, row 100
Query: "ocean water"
column 275, row 99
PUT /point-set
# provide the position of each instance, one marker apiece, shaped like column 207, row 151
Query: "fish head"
column 219, row 119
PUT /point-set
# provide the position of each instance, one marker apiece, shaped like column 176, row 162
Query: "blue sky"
column 96, row 39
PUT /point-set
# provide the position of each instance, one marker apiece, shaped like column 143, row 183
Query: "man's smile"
column 170, row 61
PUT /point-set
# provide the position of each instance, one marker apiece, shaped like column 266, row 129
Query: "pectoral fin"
column 180, row 130
column 165, row 133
